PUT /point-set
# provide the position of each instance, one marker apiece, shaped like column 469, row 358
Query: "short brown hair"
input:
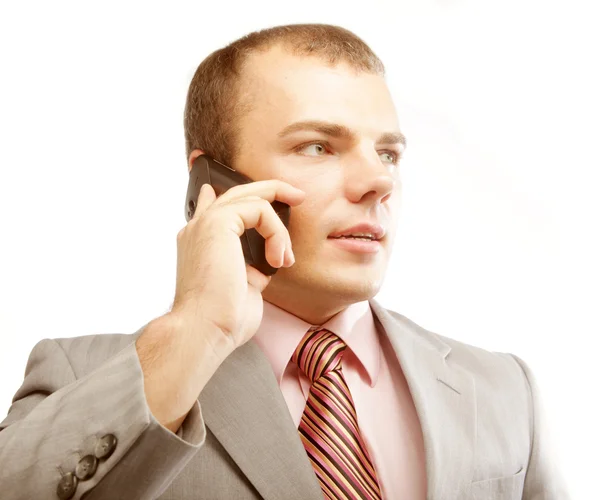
column 213, row 106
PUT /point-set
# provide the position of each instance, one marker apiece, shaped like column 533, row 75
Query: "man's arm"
column 543, row 480
column 56, row 420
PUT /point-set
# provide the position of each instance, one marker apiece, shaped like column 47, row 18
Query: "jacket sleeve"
column 544, row 480
column 57, row 419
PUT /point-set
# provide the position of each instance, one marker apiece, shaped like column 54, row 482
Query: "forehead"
column 281, row 88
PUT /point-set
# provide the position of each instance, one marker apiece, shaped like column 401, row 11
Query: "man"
column 292, row 386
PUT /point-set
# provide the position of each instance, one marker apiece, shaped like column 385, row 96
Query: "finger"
column 206, row 198
column 257, row 213
column 269, row 190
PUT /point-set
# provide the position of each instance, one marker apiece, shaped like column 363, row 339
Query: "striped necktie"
column 329, row 427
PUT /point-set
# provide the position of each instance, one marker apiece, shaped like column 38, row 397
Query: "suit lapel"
column 444, row 397
column 244, row 408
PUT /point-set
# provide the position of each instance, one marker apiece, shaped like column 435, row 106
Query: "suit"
column 484, row 434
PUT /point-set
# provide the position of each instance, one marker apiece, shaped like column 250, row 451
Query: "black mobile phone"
column 221, row 177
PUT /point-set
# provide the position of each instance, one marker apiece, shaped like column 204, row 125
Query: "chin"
column 360, row 283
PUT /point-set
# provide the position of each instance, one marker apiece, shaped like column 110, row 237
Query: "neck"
column 309, row 307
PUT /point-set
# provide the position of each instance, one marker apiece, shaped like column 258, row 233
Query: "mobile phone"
column 221, row 177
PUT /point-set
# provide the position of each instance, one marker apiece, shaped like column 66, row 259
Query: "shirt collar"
column 280, row 332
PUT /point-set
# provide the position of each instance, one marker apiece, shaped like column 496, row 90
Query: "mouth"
column 363, row 237
column 357, row 244
column 363, row 230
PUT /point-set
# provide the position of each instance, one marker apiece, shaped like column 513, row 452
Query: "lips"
column 357, row 246
column 352, row 237
column 374, row 229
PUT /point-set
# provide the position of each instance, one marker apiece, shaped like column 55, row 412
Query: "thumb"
column 257, row 279
column 206, row 198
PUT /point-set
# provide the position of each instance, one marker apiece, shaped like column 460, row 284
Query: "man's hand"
column 218, row 303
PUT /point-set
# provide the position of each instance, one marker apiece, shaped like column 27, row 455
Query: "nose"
column 370, row 178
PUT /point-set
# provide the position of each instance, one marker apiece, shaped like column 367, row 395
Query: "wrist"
column 178, row 357
column 195, row 331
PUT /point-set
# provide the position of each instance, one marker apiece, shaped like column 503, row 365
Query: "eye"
column 314, row 149
column 389, row 157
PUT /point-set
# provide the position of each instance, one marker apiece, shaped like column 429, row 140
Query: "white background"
column 498, row 241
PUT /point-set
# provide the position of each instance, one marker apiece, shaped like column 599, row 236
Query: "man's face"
column 347, row 179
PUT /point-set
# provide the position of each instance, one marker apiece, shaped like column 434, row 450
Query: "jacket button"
column 67, row 486
column 105, row 446
column 86, row 467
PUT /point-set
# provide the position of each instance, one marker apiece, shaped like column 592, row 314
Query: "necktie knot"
column 318, row 353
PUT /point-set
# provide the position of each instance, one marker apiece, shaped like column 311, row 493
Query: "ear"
column 193, row 155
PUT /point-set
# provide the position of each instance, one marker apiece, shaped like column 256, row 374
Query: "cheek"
column 302, row 221
column 307, row 222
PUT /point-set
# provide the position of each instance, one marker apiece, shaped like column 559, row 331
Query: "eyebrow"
column 339, row 131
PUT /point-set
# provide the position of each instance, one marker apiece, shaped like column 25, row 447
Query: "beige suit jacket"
column 483, row 429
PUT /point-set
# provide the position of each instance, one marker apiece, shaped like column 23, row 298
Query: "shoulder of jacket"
column 478, row 361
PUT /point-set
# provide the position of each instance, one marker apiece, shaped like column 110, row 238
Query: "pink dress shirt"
column 386, row 414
